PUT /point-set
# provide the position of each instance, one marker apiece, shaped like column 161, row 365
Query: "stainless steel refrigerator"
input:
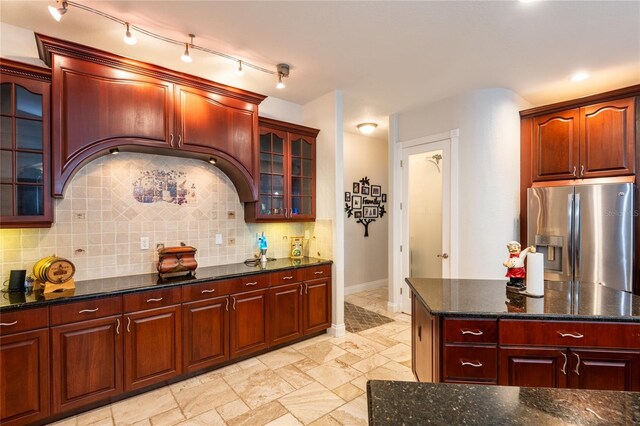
column 585, row 232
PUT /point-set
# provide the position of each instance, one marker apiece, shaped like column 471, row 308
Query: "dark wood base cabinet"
column 60, row 360
column 528, row 353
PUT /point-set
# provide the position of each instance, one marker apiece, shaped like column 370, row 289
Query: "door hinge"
column 400, row 290
column 400, row 163
column 400, row 249
column 400, row 206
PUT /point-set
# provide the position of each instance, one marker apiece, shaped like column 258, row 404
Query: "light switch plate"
column 218, row 239
column 144, row 243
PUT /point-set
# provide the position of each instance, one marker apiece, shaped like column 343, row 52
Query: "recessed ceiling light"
column 579, row 76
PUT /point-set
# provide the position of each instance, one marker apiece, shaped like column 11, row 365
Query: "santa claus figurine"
column 515, row 265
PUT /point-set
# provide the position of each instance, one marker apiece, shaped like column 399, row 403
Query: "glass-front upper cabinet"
column 286, row 182
column 25, row 195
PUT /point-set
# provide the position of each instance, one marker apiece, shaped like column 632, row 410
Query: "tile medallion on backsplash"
column 154, row 186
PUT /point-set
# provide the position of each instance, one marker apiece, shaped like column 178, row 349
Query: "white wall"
column 489, row 156
column 279, row 109
column 325, row 113
column 366, row 257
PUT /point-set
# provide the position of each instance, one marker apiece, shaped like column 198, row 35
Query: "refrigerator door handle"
column 576, row 237
column 570, row 222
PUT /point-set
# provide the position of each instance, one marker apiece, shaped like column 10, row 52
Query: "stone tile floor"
column 321, row 381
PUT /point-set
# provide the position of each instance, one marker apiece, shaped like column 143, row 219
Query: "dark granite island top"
column 104, row 287
column 489, row 299
column 408, row 403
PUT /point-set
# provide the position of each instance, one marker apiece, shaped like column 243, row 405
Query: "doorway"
column 428, row 179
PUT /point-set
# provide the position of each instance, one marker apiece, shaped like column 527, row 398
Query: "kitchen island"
column 583, row 336
column 454, row 404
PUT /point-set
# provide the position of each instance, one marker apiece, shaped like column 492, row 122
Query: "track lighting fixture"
column 186, row 57
column 61, row 7
column 57, row 12
column 367, row 128
column 129, row 38
column 283, row 71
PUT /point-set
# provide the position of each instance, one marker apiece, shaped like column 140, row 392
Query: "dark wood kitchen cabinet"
column 25, row 183
column 591, row 141
column 470, row 350
column 542, row 367
column 102, row 101
column 424, row 352
column 249, row 322
column 285, row 313
column 153, row 337
column 24, row 367
column 604, row 369
column 205, row 333
column 316, row 306
column 287, row 170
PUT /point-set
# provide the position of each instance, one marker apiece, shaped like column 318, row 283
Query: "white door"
column 426, row 213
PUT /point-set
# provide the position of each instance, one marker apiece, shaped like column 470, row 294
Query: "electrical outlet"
column 144, row 243
column 218, row 239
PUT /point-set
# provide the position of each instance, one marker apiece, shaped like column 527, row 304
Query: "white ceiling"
column 386, row 56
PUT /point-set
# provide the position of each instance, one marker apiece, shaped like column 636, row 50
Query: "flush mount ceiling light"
column 129, row 38
column 579, row 76
column 283, row 71
column 57, row 12
column 61, row 7
column 367, row 128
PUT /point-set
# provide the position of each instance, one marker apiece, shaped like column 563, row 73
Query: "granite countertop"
column 410, row 403
column 489, row 298
column 103, row 287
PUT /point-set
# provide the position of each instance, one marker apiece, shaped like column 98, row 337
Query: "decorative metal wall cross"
column 365, row 203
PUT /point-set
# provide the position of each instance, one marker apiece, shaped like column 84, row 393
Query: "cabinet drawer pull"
column 253, row 283
column 306, row 288
column 564, row 366
column 471, row 364
column 8, row 323
column 171, row 140
column 319, row 272
column 574, row 171
column 179, row 140
column 118, row 326
column 227, row 307
column 155, row 300
column 420, row 332
column 287, row 278
column 234, row 304
column 88, row 311
column 577, row 365
column 575, row 336
column 300, row 289
column 582, row 170
column 475, row 333
column 128, row 325
column 208, row 291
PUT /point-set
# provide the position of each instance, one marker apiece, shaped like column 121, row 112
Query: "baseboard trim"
column 371, row 285
column 337, row 330
column 393, row 307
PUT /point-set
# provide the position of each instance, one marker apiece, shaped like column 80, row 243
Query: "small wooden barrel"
column 53, row 269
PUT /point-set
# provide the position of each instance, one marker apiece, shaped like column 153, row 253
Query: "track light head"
column 57, row 12
column 129, row 38
column 240, row 71
column 186, row 57
column 283, row 71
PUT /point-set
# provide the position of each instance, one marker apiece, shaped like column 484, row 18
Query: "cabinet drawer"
column 85, row 310
column 316, row 272
column 23, row 320
column 285, row 277
column 470, row 331
column 570, row 334
column 470, row 363
column 207, row 290
column 152, row 299
column 250, row 282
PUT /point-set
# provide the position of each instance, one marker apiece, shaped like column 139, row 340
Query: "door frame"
column 396, row 266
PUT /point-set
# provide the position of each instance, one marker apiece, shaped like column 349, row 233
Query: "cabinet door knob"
column 574, row 171
column 227, row 307
column 306, row 288
column 564, row 366
column 443, row 255
column 234, row 304
column 420, row 332
column 300, row 289
column 577, row 365
column 88, row 311
column 477, row 364
column 128, row 324
column 118, row 326
column 582, row 170
column 171, row 140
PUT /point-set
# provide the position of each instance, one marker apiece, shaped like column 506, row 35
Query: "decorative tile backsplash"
column 116, row 199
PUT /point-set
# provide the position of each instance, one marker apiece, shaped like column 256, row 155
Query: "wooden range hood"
column 101, row 101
